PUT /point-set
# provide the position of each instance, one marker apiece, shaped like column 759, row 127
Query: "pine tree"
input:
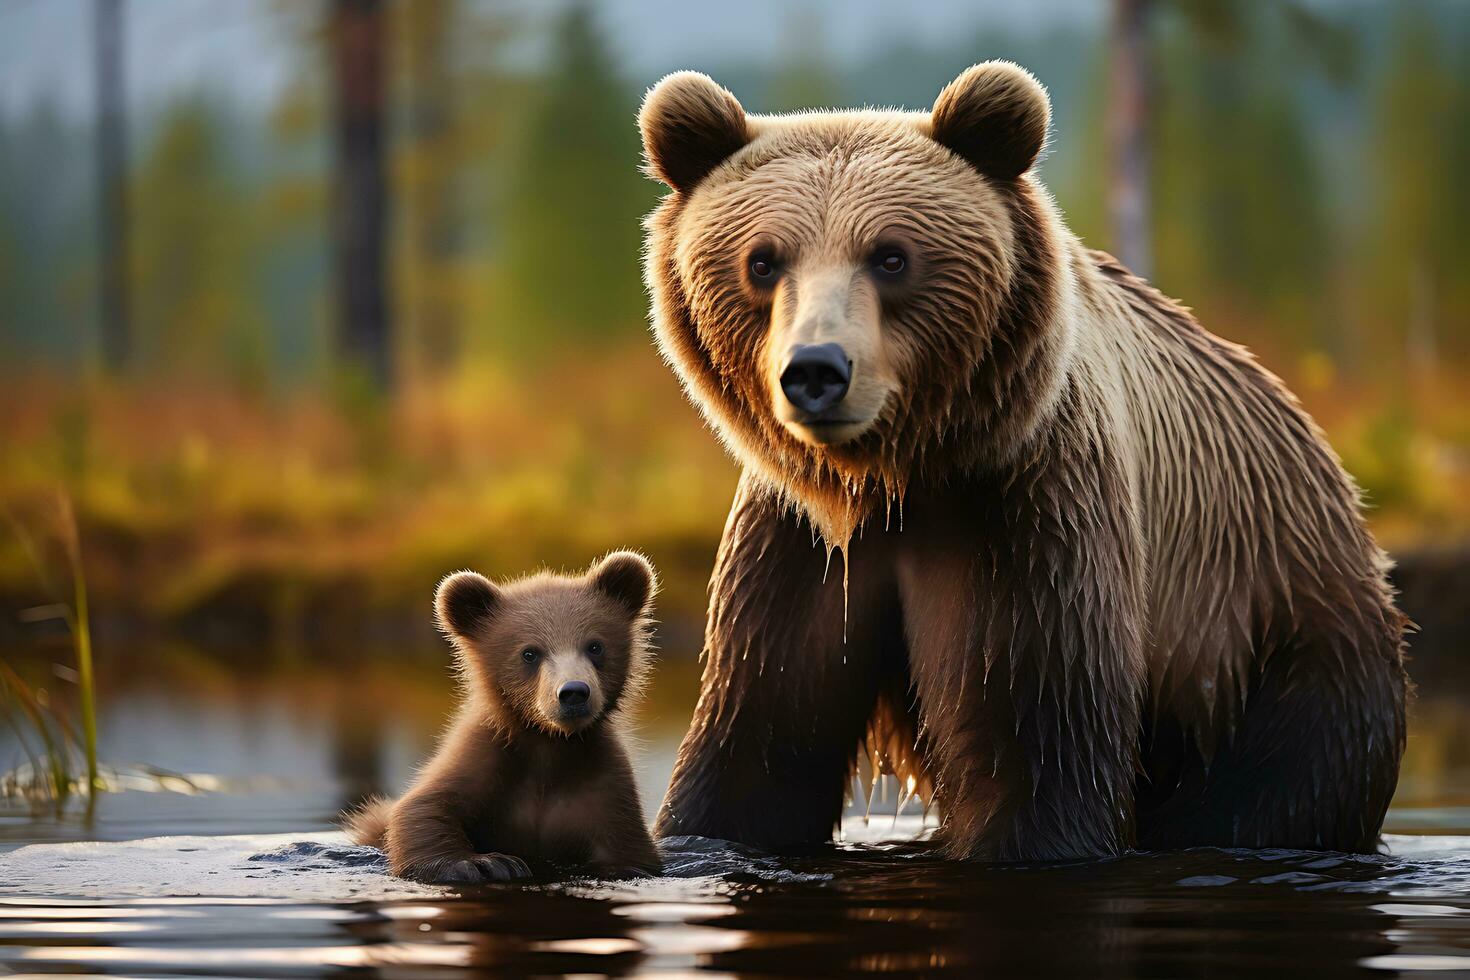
column 571, row 220
column 191, row 253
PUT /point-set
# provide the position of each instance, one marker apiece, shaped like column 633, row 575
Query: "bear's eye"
column 891, row 260
column 763, row 267
column 530, row 655
column 594, row 649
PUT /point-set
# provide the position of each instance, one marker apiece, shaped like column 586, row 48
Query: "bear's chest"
column 542, row 823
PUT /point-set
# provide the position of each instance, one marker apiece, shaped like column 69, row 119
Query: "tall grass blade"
column 82, row 636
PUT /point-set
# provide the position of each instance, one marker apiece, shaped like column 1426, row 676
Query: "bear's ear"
column 465, row 603
column 994, row 115
column 690, row 126
column 628, row 578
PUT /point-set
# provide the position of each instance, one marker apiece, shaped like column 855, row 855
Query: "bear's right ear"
column 464, row 603
column 994, row 115
column 628, row 578
column 690, row 126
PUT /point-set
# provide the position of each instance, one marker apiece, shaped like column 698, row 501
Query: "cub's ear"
column 628, row 578
column 994, row 115
column 464, row 603
column 690, row 126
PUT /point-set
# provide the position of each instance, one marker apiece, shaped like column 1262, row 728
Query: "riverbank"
column 315, row 516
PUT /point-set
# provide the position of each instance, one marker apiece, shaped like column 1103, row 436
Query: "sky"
column 172, row 45
column 243, row 46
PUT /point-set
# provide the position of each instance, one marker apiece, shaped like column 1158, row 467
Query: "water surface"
column 279, row 746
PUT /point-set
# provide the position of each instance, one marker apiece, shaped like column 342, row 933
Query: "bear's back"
column 1248, row 521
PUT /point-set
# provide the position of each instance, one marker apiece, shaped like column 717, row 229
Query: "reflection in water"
column 545, row 932
column 862, row 908
column 1125, row 917
column 359, row 752
column 295, row 742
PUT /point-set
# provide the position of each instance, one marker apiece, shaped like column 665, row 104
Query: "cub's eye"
column 530, row 655
column 594, row 649
column 891, row 261
column 763, row 267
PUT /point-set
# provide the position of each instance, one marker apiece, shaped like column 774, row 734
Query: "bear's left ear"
column 994, row 115
column 628, row 578
column 690, row 126
column 464, row 604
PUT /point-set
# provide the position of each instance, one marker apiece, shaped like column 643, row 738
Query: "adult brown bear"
column 1104, row 584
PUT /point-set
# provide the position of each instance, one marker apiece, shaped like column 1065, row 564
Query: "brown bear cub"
column 532, row 773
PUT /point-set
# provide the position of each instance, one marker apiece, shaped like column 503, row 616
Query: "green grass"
column 45, row 738
column 45, row 734
column 81, row 632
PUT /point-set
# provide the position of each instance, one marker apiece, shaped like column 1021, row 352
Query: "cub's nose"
column 574, row 694
column 816, row 376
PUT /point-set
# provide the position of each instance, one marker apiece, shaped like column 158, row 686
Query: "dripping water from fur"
column 846, row 579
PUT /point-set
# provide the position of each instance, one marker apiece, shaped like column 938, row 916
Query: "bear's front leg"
column 426, row 841
column 1022, row 607
column 785, row 697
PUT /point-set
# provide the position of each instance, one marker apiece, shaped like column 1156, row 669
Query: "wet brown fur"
column 1114, row 569
column 514, row 787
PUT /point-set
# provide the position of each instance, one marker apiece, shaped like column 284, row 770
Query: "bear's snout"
column 573, row 696
column 816, row 376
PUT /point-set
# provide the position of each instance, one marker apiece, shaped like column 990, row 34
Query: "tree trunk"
column 360, row 196
column 113, row 319
column 1129, row 111
column 432, row 218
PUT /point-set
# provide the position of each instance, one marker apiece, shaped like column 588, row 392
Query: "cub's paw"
column 472, row 869
column 483, row 867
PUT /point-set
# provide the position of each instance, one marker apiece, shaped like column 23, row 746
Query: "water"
column 248, row 878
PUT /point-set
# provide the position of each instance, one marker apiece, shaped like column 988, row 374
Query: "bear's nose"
column 816, row 376
column 573, row 694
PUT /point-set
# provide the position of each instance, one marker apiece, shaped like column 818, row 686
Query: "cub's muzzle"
column 573, row 698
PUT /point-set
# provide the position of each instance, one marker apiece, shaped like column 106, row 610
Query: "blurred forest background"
column 304, row 303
